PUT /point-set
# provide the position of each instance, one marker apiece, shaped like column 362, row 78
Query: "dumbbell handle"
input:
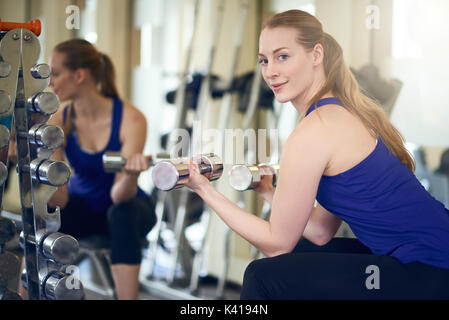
column 174, row 173
column 242, row 177
column 114, row 161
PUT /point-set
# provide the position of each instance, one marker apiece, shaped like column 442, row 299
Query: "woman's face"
column 287, row 67
column 62, row 79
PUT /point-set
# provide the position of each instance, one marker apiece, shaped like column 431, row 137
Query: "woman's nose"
column 271, row 71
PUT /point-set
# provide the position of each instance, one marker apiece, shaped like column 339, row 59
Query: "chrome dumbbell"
column 45, row 103
column 59, row 286
column 7, row 230
column 243, row 177
column 174, row 173
column 4, row 140
column 9, row 295
column 46, row 136
column 114, row 161
column 62, row 248
column 53, row 173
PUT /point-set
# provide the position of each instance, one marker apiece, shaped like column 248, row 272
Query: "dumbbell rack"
column 47, row 253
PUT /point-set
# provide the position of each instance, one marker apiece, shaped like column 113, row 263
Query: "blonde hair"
column 341, row 82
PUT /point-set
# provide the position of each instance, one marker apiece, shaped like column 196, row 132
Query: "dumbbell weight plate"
column 168, row 175
column 243, row 177
column 9, row 266
column 7, row 230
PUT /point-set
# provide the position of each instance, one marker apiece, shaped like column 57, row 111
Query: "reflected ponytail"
column 80, row 53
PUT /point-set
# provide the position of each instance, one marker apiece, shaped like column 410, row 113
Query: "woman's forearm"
column 250, row 227
column 124, row 189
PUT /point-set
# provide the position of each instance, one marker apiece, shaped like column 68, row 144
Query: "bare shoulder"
column 133, row 118
column 316, row 128
column 57, row 118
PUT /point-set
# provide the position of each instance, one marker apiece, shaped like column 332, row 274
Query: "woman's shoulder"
column 133, row 120
column 58, row 117
column 132, row 113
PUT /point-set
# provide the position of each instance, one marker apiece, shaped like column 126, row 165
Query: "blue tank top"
column 90, row 181
column 387, row 208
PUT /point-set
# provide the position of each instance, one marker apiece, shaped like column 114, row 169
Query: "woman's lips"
column 278, row 86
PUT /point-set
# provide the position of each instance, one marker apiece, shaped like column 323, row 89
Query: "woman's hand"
column 196, row 179
column 137, row 163
column 265, row 187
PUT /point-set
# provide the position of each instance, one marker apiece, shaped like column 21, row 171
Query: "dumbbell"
column 114, row 161
column 53, row 173
column 7, row 230
column 242, row 177
column 59, row 286
column 5, row 294
column 174, row 173
column 56, row 246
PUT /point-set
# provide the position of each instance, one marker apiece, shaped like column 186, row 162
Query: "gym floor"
column 156, row 288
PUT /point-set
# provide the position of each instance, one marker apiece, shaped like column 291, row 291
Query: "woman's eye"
column 263, row 62
column 283, row 57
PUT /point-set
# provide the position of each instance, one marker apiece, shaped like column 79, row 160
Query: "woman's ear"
column 80, row 75
column 318, row 54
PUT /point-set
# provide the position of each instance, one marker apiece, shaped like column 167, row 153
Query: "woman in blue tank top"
column 96, row 121
column 344, row 161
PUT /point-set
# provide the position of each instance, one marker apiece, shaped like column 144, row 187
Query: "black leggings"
column 125, row 225
column 342, row 269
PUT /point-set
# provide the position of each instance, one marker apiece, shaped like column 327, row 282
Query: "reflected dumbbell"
column 243, row 177
column 4, row 140
column 114, row 161
column 53, row 173
column 174, row 173
column 7, row 230
column 56, row 246
column 45, row 103
column 59, row 286
column 45, row 135
column 9, row 266
column 9, row 295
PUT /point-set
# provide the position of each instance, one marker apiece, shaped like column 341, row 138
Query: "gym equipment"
column 384, row 91
column 436, row 183
column 47, row 252
column 166, row 200
column 243, row 177
column 174, row 173
column 114, row 161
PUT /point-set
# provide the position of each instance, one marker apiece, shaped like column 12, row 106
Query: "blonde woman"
column 345, row 154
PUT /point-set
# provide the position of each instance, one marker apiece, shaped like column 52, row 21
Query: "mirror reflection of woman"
column 95, row 121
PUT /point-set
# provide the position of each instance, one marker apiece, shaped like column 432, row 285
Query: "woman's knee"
column 253, row 287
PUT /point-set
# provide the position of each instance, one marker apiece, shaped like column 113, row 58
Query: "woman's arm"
column 305, row 157
column 322, row 226
column 133, row 136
